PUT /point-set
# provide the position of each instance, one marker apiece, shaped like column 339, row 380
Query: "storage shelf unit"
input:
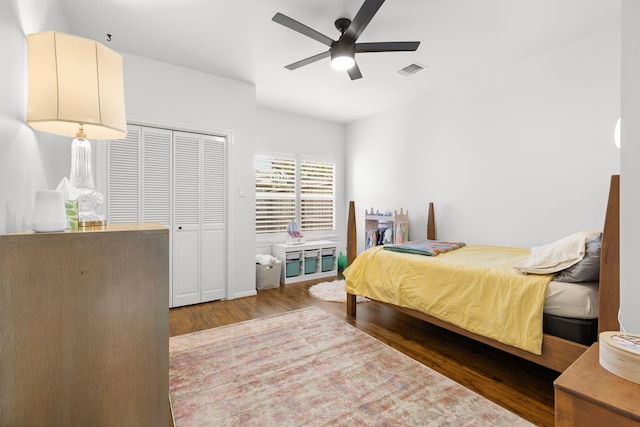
column 307, row 261
column 398, row 223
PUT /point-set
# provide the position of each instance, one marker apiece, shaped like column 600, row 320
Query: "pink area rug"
column 309, row 368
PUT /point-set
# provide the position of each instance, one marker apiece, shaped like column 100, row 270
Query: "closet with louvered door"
column 179, row 180
column 199, row 218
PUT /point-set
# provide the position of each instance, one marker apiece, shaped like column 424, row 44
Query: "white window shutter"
column 294, row 188
column 317, row 196
column 275, row 194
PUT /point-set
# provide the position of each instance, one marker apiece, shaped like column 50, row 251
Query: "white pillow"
column 558, row 255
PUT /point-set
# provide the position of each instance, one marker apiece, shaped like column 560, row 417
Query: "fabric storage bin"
column 327, row 262
column 293, row 267
column 311, row 261
column 329, row 252
column 312, row 253
column 268, row 276
column 310, row 265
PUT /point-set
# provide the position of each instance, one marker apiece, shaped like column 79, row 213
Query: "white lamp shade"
column 73, row 81
column 48, row 211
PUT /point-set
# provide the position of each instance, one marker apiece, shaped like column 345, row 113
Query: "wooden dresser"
column 586, row 394
column 84, row 327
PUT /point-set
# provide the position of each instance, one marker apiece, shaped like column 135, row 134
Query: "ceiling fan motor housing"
column 342, row 48
column 342, row 24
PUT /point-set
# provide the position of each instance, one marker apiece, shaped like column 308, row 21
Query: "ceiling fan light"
column 343, row 55
column 342, row 62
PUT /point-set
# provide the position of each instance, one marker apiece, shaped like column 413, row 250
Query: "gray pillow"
column 588, row 268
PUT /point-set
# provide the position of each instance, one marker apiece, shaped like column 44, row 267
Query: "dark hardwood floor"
column 515, row 384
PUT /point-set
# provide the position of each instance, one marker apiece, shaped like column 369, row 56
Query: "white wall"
column 519, row 156
column 630, row 173
column 282, row 132
column 160, row 93
column 29, row 161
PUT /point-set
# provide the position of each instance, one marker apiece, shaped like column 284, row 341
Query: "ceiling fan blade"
column 301, row 28
column 386, row 47
column 308, row 60
column 362, row 19
column 354, row 72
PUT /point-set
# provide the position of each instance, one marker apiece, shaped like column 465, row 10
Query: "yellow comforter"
column 474, row 287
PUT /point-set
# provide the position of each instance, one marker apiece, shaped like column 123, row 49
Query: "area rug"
column 309, row 368
column 332, row 291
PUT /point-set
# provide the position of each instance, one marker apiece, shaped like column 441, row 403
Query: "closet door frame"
column 101, row 169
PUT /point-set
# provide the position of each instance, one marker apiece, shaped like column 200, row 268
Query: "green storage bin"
column 310, row 265
column 293, row 267
column 327, row 262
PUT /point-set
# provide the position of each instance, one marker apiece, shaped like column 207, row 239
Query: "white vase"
column 48, row 212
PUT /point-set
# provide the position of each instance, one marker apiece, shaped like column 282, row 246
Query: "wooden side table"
column 586, row 394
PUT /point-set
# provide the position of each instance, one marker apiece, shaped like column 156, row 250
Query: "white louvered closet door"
column 123, row 178
column 199, row 218
column 186, row 219
column 156, row 176
column 213, row 217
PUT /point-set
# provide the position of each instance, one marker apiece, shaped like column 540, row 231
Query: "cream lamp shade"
column 75, row 81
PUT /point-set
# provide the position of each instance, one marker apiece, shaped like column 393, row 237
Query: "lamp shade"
column 75, row 81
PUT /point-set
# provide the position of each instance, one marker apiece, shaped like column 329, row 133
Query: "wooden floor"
column 517, row 385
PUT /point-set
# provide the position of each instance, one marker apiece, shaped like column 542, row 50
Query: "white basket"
column 268, row 276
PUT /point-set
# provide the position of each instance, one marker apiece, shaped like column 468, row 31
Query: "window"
column 294, row 189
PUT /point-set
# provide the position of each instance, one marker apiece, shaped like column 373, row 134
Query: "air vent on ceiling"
column 411, row 69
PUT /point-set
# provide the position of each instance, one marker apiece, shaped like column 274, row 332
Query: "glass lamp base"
column 81, row 178
column 92, row 224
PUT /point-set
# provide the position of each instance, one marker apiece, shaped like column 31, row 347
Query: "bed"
column 555, row 353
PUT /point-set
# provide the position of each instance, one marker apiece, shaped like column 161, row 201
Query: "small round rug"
column 332, row 291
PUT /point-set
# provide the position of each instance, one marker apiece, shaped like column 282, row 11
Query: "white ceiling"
column 238, row 40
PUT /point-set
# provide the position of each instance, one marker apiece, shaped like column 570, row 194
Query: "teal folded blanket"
column 425, row 247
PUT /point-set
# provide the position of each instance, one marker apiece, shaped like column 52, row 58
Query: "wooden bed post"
column 352, row 250
column 610, row 262
column 431, row 224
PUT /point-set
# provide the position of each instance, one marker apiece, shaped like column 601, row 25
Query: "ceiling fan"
column 343, row 50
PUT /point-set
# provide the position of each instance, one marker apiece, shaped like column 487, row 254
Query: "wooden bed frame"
column 557, row 353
